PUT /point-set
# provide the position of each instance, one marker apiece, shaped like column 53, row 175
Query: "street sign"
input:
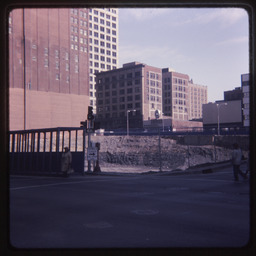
column 157, row 113
column 92, row 154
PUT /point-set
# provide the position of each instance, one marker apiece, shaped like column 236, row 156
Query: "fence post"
column 188, row 151
column 84, row 149
column 215, row 155
column 159, row 147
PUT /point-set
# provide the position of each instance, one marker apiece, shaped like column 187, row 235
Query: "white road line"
column 66, row 183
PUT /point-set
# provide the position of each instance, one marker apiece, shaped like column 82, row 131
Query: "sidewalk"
column 143, row 170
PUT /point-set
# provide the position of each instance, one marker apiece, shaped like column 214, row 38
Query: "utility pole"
column 24, row 71
column 218, row 112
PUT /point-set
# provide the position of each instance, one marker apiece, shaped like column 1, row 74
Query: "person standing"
column 236, row 162
column 66, row 160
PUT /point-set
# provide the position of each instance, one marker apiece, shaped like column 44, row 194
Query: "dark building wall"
column 235, row 94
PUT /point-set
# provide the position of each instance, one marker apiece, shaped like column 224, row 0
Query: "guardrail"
column 38, row 151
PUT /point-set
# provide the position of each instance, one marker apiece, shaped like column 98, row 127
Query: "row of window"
column 58, row 77
column 119, row 107
column 75, row 12
column 120, row 114
column 153, row 75
column 102, row 21
column 114, row 93
column 154, row 98
column 121, row 99
column 102, row 29
column 102, row 14
column 179, row 81
column 77, row 21
column 95, row 71
column 81, row 39
column 153, row 83
column 102, row 44
column 114, row 85
column 121, row 77
column 102, row 51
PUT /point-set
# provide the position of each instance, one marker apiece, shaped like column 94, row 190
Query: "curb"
column 193, row 170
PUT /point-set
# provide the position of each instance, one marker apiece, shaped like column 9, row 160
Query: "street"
column 130, row 211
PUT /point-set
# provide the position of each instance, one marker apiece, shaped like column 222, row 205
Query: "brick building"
column 197, row 97
column 135, row 86
column 182, row 99
column 175, row 94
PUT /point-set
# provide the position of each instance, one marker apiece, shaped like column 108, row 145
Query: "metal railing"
column 38, row 151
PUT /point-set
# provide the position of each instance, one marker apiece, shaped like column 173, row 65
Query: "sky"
column 211, row 45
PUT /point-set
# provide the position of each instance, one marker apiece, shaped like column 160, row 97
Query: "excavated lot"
column 143, row 152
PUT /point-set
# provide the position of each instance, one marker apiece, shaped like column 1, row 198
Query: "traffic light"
column 90, row 115
column 83, row 124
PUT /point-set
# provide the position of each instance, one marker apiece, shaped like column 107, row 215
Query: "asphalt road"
column 130, row 211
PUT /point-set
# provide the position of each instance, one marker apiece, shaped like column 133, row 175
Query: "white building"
column 197, row 97
column 245, row 83
column 103, row 45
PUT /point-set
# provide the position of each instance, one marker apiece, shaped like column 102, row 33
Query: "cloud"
column 144, row 14
column 161, row 56
column 224, row 16
column 237, row 40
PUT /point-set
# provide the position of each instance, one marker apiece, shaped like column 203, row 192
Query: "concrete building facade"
column 134, row 90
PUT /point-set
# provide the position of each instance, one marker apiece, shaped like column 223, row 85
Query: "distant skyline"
column 211, row 45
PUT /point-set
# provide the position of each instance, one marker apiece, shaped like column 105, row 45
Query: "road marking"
column 68, row 183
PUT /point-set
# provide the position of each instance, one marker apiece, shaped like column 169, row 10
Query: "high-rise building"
column 103, row 45
column 134, row 90
column 197, row 97
column 53, row 55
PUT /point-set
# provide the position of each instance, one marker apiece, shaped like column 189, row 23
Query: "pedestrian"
column 66, row 160
column 236, row 162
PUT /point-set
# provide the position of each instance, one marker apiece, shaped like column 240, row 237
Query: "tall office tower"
column 103, row 44
column 134, row 90
column 48, row 67
column 175, row 94
column 197, row 97
column 245, row 81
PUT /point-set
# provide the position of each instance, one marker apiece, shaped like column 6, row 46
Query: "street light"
column 218, row 108
column 128, row 111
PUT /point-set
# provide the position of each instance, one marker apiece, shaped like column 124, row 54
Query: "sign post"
column 92, row 154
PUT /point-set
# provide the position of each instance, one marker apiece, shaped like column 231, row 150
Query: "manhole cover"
column 101, row 224
column 145, row 212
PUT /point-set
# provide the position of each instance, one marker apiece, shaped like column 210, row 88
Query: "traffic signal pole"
column 92, row 152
